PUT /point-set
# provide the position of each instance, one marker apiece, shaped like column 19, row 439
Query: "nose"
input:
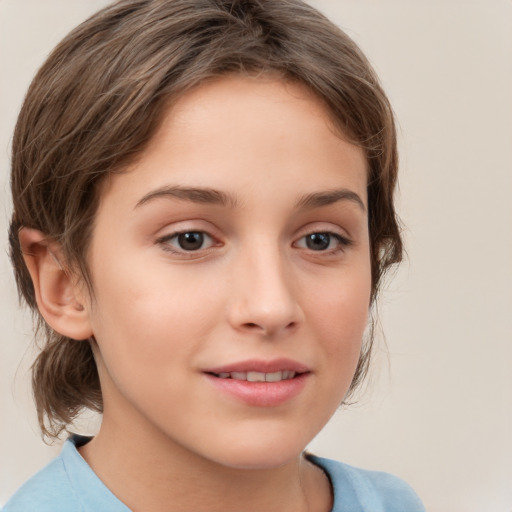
column 264, row 296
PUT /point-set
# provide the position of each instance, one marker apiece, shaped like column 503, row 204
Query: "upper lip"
column 259, row 365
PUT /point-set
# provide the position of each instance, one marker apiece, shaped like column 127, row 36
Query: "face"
column 231, row 272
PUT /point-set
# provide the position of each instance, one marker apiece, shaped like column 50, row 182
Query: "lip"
column 260, row 394
column 260, row 365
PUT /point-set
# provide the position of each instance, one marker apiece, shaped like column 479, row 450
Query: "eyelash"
column 342, row 242
column 165, row 242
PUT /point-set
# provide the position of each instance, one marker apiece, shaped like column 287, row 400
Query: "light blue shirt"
column 68, row 484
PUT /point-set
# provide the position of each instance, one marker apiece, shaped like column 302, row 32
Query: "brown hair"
column 100, row 96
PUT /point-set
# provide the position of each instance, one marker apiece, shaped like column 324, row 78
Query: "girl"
column 203, row 211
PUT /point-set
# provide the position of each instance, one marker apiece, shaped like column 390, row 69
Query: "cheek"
column 148, row 312
column 339, row 321
column 341, row 306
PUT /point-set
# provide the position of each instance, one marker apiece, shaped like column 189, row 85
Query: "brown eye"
column 191, row 241
column 318, row 241
column 323, row 241
column 186, row 241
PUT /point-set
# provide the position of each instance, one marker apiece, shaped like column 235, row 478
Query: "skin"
column 255, row 289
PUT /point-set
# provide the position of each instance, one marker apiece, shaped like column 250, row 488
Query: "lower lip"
column 261, row 394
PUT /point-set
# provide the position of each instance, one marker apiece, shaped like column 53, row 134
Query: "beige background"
column 440, row 413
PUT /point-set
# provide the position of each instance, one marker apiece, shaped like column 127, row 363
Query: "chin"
column 267, row 454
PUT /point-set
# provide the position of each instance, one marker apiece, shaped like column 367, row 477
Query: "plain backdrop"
column 438, row 408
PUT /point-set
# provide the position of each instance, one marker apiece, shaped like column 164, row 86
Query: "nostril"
column 268, row 330
column 252, row 325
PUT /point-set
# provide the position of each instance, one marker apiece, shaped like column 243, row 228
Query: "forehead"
column 258, row 102
column 234, row 129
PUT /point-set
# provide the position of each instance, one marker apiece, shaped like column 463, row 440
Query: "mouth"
column 260, row 383
column 256, row 370
column 257, row 376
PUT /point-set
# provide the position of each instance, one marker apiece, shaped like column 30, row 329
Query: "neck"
column 149, row 472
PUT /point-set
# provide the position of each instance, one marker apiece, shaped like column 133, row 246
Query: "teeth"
column 259, row 376
column 255, row 377
column 274, row 377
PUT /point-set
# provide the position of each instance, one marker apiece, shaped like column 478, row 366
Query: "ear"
column 58, row 295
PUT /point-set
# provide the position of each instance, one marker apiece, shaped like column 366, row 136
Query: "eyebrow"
column 202, row 195
column 319, row 199
column 205, row 195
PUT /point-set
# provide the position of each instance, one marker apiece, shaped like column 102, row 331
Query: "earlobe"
column 57, row 294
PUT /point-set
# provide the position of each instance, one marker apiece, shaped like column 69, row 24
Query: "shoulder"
column 48, row 490
column 67, row 484
column 368, row 490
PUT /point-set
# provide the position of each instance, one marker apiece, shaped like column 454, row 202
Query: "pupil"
column 318, row 241
column 191, row 241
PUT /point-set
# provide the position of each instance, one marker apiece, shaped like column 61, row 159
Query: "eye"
column 187, row 241
column 322, row 241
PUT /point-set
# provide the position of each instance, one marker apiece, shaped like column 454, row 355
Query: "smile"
column 258, row 376
column 258, row 383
